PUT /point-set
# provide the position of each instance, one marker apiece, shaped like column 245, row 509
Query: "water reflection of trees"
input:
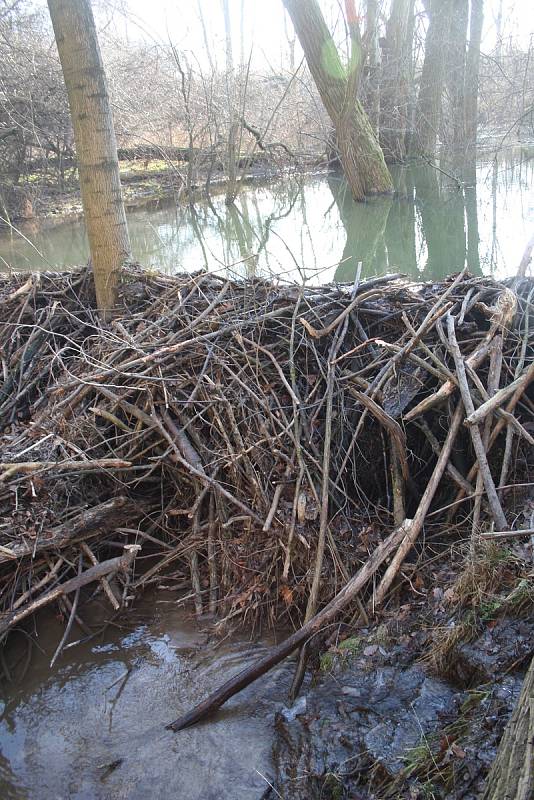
column 297, row 227
column 428, row 230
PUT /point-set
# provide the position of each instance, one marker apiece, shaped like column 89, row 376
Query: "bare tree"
column 360, row 154
column 456, row 46
column 472, row 71
column 372, row 94
column 396, row 80
column 428, row 109
column 231, row 192
column 96, row 148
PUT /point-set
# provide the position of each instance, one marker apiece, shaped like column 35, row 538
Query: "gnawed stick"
column 508, row 534
column 514, row 400
column 212, row 566
column 65, row 466
column 415, row 525
column 446, row 389
column 95, row 573
column 313, row 626
column 108, row 591
column 494, row 378
column 501, row 397
column 476, row 437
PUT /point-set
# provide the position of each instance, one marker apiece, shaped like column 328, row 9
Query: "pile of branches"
column 259, row 441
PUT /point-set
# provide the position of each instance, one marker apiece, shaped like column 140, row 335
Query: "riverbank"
column 280, row 455
column 41, row 204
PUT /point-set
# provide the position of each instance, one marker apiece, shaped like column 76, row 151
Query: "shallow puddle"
column 94, row 725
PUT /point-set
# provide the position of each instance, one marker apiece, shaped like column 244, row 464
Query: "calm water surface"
column 309, row 229
column 109, row 700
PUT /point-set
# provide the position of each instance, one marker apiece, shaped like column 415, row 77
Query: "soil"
column 380, row 723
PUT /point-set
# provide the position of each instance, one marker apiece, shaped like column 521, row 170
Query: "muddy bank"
column 380, row 723
column 376, row 723
column 34, row 207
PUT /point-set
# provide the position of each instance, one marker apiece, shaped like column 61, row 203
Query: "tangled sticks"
column 264, row 443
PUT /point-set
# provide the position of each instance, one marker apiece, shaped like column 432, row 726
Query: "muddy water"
column 109, row 700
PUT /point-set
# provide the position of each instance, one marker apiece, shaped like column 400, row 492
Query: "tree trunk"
column 231, row 191
column 96, row 147
column 512, row 774
column 472, row 75
column 360, row 154
column 429, row 106
column 395, row 85
column 456, row 59
column 372, row 85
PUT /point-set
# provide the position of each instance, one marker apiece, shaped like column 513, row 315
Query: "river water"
column 309, row 229
column 109, row 700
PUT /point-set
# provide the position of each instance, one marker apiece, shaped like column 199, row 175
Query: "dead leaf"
column 287, row 595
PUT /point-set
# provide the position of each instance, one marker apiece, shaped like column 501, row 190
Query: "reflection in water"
column 107, row 702
column 309, row 229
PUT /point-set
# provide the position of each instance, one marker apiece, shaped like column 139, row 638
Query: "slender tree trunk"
column 231, row 160
column 472, row 75
column 512, row 774
column 372, row 85
column 96, row 146
column 360, row 154
column 429, row 103
column 395, row 84
column 498, row 30
column 456, row 61
column 291, row 41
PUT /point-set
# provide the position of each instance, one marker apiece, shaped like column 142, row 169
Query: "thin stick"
column 415, row 525
column 104, row 582
column 478, row 445
column 68, row 628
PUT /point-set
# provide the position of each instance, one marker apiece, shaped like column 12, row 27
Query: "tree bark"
column 231, row 190
column 512, row 774
column 472, row 75
column 96, row 146
column 456, row 62
column 372, row 86
column 359, row 151
column 429, row 102
column 395, row 84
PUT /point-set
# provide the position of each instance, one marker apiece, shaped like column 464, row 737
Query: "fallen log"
column 95, row 573
column 313, row 626
column 89, row 523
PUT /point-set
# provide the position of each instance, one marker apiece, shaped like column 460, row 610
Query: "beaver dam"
column 280, row 456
